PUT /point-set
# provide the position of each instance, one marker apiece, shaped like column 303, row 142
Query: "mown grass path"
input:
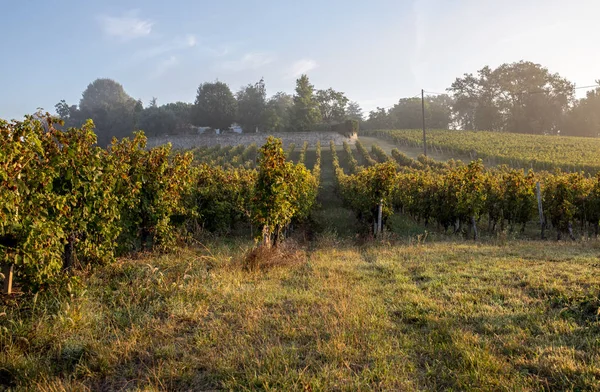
column 441, row 316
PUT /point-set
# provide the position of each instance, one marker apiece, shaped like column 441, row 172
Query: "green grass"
column 428, row 316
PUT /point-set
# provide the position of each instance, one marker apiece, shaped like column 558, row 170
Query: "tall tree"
column 354, row 112
column 108, row 105
column 521, row 97
column 305, row 112
column 277, row 113
column 379, row 119
column 406, row 114
column 332, row 105
column 584, row 118
column 251, row 104
column 215, row 106
column 69, row 114
column 439, row 111
column 473, row 105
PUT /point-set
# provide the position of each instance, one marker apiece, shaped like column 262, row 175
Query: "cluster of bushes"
column 64, row 200
column 348, row 128
column 455, row 195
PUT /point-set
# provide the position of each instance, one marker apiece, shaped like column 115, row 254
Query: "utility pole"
column 423, row 113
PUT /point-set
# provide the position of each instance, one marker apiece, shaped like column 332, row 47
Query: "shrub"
column 283, row 191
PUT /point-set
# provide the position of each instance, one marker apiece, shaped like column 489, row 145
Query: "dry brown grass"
column 429, row 316
column 284, row 254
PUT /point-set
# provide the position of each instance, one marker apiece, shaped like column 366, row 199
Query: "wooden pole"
column 540, row 209
column 379, row 218
column 7, row 271
column 423, row 114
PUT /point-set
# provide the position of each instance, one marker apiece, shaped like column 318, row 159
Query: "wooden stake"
column 379, row 218
column 7, row 271
column 540, row 209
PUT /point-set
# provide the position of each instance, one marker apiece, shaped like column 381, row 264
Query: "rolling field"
column 529, row 151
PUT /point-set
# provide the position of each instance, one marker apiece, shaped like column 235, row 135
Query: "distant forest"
column 521, row 97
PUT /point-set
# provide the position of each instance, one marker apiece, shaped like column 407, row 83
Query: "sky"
column 375, row 51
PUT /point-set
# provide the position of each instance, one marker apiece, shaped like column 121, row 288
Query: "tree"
column 69, row 114
column 473, row 102
column 379, row 119
column 182, row 111
column 251, row 104
column 277, row 112
column 108, row 105
column 521, row 97
column 354, row 112
column 406, row 114
column 332, row 105
column 438, row 113
column 156, row 121
column 584, row 117
column 215, row 106
column 305, row 111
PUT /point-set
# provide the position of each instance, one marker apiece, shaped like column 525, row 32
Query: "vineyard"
column 139, row 257
column 65, row 201
column 517, row 150
column 452, row 195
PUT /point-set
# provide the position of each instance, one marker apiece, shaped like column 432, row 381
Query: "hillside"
column 529, row 151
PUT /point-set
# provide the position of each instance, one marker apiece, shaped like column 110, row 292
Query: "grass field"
column 439, row 316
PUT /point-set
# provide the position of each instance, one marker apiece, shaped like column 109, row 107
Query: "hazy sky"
column 375, row 51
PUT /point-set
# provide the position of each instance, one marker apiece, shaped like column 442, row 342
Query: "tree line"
column 520, row 97
column 116, row 114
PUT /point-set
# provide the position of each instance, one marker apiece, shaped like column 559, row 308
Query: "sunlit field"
column 425, row 316
column 529, row 151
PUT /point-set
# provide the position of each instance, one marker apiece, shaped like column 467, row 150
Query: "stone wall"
column 191, row 141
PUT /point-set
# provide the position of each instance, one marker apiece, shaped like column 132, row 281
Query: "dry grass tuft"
column 285, row 254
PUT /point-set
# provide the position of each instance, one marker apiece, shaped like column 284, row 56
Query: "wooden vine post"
column 380, row 218
column 7, row 271
column 378, row 224
column 540, row 209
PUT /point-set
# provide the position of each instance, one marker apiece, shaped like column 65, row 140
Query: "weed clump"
column 263, row 258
